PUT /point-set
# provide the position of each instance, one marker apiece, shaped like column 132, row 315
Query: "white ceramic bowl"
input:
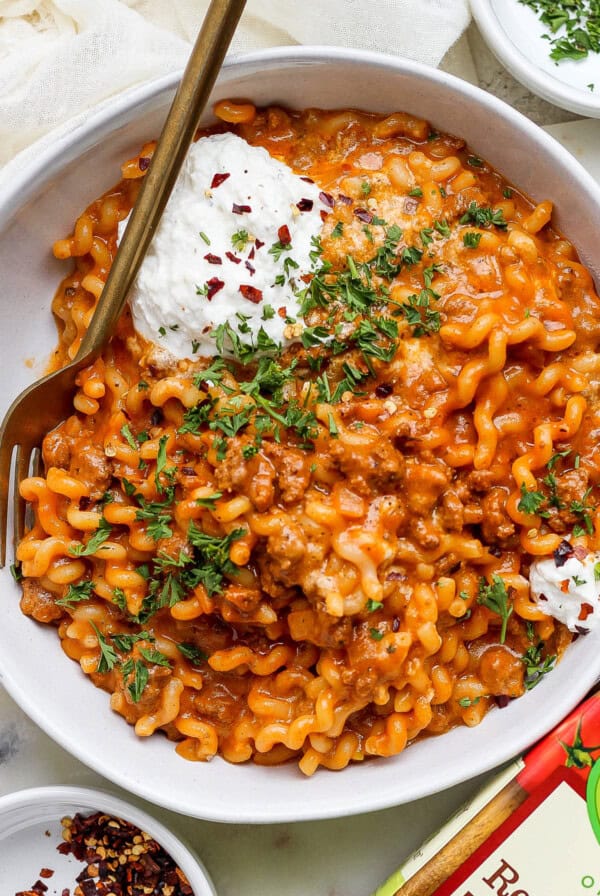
column 40, row 206
column 30, row 831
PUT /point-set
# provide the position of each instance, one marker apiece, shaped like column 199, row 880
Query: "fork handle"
column 178, row 131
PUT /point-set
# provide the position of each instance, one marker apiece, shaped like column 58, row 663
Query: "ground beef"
column 56, row 450
column 501, row 672
column 38, row 602
column 382, row 468
column 293, row 471
column 496, row 525
column 94, row 468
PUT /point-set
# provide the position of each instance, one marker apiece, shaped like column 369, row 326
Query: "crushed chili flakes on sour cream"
column 567, row 586
column 232, row 203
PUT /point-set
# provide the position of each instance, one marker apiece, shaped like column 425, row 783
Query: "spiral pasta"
column 323, row 554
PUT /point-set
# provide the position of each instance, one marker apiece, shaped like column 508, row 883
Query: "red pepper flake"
column 345, row 200
column 563, row 552
column 119, row 859
column 251, row 293
column 213, row 259
column 250, row 268
column 282, row 312
column 259, row 244
column 240, row 209
column 585, row 611
column 564, row 586
column 308, row 180
column 233, row 257
column 218, row 180
column 326, row 199
column 144, row 163
column 214, row 285
column 305, row 205
column 284, row 235
column 251, row 253
column 363, row 214
column 46, row 873
column 324, row 214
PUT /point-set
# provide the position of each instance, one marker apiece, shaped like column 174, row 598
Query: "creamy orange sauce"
column 366, row 501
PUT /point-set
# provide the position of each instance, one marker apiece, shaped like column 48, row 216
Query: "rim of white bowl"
column 549, row 88
column 353, row 800
column 63, row 797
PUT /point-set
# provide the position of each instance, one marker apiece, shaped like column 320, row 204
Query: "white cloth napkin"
column 59, row 58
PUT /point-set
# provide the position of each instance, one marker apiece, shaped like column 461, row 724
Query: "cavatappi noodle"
column 323, row 553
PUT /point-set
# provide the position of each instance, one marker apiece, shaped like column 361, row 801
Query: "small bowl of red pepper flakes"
column 71, row 841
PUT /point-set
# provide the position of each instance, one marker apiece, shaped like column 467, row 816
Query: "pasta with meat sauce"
column 321, row 551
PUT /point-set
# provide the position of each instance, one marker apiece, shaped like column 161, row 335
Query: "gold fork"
column 44, row 404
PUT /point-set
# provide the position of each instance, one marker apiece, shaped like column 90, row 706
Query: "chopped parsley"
column 496, row 598
column 239, row 240
column 583, row 510
column 135, row 676
column 211, row 558
column 573, row 27
column 419, row 314
column 536, row 666
column 108, row 656
column 466, row 702
column 192, row 653
column 471, row 239
column 95, row 542
column 532, row 502
column 76, row 593
column 483, row 216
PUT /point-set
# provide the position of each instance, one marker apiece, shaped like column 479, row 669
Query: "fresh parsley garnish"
column 536, row 666
column 471, row 239
column 483, row 216
column 496, row 598
column 95, row 542
column 419, row 314
column 192, row 653
column 76, row 593
column 108, row 656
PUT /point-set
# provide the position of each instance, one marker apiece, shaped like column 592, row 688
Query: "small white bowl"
column 30, row 831
column 515, row 35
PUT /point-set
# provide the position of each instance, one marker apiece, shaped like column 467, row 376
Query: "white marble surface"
column 345, row 857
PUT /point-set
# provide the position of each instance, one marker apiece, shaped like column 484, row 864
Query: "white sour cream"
column 197, row 275
column 562, row 591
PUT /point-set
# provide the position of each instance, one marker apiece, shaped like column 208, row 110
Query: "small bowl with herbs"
column 74, row 841
column 550, row 46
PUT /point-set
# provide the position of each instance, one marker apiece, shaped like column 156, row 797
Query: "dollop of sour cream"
column 232, row 247
column 567, row 587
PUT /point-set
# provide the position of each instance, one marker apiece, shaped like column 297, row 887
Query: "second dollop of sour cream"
column 567, row 587
column 232, row 246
